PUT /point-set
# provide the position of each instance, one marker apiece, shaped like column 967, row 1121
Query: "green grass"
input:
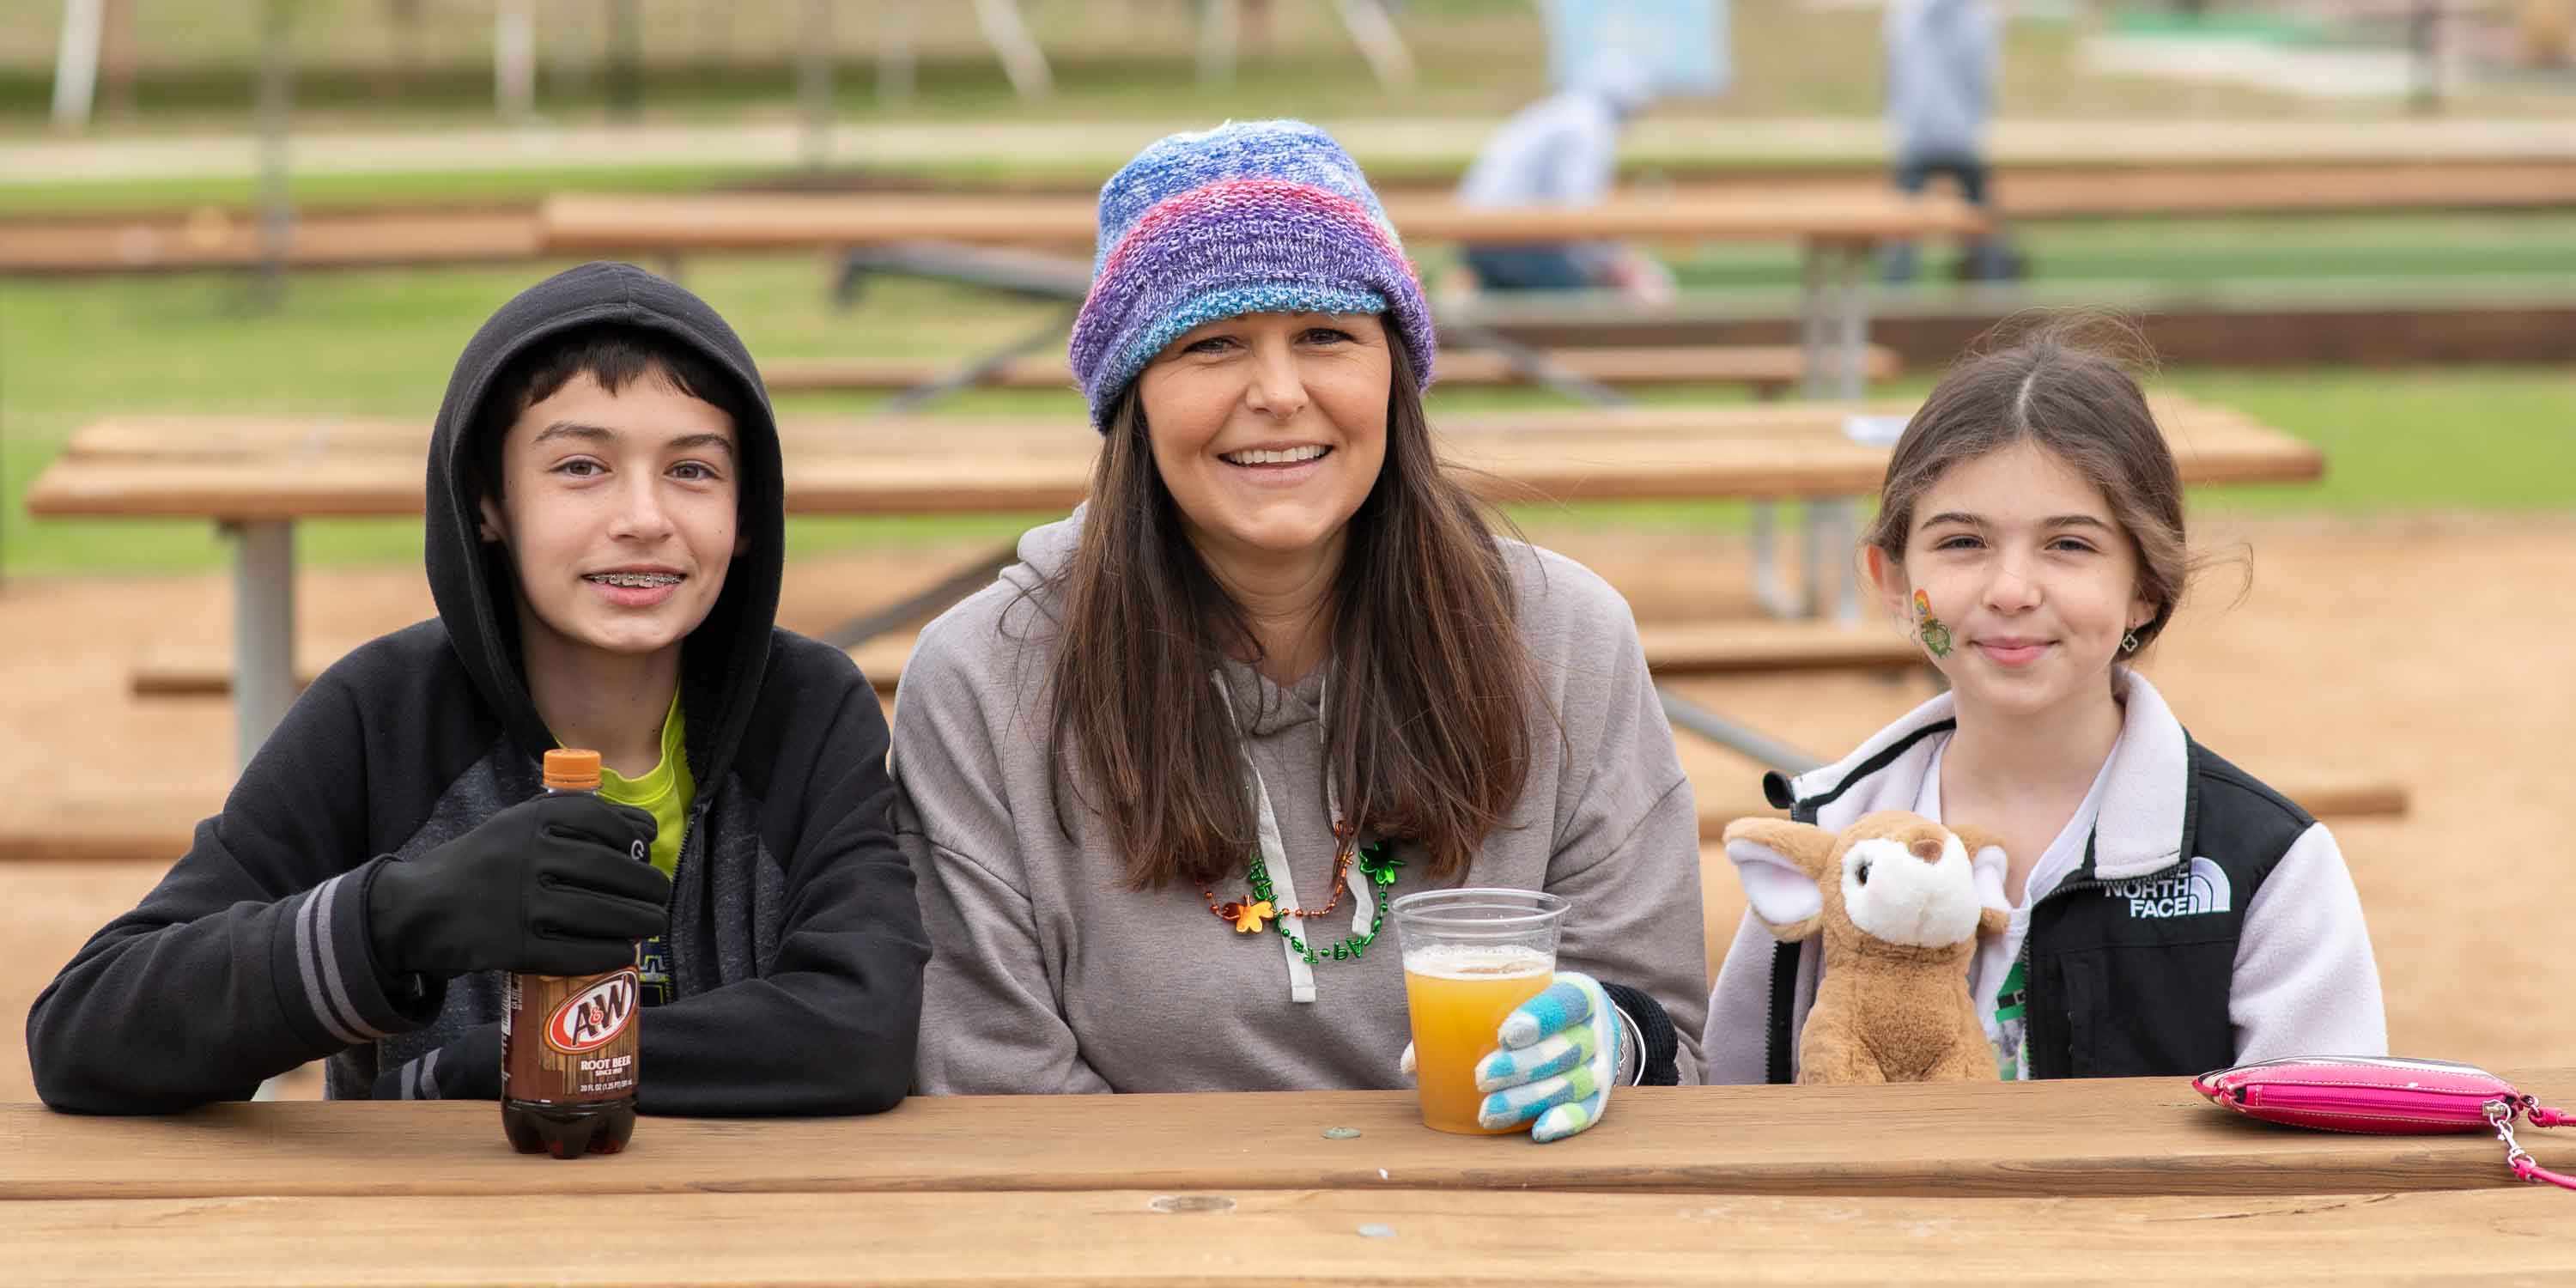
column 2202, row 253
column 381, row 344
column 2456, row 438
column 1112, row 59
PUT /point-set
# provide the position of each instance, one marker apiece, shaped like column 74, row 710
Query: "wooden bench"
column 1757, row 647
column 1768, row 369
column 225, row 237
column 672, row 225
column 219, row 239
column 259, row 476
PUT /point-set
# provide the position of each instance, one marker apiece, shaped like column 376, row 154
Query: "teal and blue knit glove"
column 1560, row 1052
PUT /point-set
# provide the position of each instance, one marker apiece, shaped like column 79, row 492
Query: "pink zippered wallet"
column 2386, row 1096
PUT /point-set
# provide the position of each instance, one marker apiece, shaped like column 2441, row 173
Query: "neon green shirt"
column 665, row 793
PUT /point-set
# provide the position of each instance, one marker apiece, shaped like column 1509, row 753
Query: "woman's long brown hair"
column 1427, row 725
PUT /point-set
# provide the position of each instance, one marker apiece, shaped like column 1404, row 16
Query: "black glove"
column 559, row 885
column 468, row 1068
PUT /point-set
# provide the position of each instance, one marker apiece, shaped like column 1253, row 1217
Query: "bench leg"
column 1534, row 365
column 1692, row 717
column 1816, row 364
column 968, row 579
column 1842, row 517
column 981, row 369
column 263, row 631
column 1768, row 590
column 1823, row 291
column 263, row 647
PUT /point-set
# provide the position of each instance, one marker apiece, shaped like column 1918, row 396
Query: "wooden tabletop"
column 2132, row 1180
column 277, row 468
column 1120, row 1237
column 584, row 223
column 2108, row 1138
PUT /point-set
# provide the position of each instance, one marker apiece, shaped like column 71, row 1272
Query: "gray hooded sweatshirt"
column 1050, row 974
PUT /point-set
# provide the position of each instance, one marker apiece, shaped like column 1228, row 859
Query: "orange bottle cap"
column 572, row 770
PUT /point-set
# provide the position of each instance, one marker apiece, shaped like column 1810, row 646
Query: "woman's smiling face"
column 2021, row 559
column 1269, row 429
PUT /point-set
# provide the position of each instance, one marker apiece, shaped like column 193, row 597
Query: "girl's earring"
column 1936, row 637
column 2129, row 642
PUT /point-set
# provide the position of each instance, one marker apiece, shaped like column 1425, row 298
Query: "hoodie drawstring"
column 1274, row 851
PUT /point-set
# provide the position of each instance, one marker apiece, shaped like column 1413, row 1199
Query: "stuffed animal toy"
column 1899, row 902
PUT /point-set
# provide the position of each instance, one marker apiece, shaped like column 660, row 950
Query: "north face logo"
column 2202, row 888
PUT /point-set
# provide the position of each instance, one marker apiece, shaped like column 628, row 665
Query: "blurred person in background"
column 1941, row 66
column 1564, row 151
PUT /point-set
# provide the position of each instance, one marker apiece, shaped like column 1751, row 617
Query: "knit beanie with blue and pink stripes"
column 1251, row 217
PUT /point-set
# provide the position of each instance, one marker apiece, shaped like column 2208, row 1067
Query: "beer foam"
column 1477, row 961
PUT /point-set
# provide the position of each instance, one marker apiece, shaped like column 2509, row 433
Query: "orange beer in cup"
column 1470, row 956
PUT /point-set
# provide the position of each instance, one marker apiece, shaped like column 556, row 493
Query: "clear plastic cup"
column 1470, row 956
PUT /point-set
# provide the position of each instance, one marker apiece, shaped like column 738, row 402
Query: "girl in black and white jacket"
column 2170, row 914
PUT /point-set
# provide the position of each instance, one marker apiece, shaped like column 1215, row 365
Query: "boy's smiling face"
column 619, row 510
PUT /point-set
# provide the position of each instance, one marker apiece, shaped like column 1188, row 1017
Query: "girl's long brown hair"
column 1427, row 726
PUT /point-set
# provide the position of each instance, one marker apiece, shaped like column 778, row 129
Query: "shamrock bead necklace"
column 1377, row 865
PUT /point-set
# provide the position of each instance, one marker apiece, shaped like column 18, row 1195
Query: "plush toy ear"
column 1986, row 858
column 1780, row 864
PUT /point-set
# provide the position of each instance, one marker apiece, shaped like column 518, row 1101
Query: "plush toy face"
column 1918, row 891
column 1892, row 877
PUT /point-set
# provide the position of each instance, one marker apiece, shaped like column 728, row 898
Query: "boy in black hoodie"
column 605, row 523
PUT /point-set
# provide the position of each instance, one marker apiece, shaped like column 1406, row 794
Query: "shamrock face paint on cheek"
column 1936, row 636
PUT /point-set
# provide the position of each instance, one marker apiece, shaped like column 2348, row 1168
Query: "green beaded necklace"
column 1377, row 865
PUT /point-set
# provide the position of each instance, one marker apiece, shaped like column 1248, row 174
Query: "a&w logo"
column 2201, row 888
column 593, row 1017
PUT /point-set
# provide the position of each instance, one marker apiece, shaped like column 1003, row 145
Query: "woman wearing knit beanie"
column 1161, row 779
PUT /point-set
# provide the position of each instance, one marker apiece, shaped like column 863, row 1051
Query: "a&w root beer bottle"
column 568, row 1051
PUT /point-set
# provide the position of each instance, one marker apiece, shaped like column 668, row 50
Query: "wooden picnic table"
column 1505, row 1239
column 1767, row 369
column 2102, row 1137
column 625, row 223
column 259, row 476
column 2046, row 1182
column 205, row 236
column 1837, row 232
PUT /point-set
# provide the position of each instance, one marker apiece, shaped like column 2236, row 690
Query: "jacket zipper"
column 2029, row 979
column 694, row 828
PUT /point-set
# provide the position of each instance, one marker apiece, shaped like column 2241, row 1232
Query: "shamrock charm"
column 1249, row 918
column 1378, row 863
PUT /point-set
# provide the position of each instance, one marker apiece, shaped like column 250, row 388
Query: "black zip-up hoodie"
column 796, row 941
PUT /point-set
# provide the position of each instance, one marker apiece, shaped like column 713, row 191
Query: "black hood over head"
column 724, row 659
